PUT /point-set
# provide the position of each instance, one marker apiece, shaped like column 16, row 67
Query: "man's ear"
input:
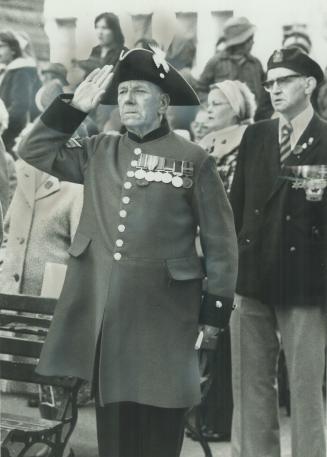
column 310, row 85
column 164, row 103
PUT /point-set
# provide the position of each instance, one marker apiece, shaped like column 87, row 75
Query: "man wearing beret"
column 280, row 210
column 128, row 316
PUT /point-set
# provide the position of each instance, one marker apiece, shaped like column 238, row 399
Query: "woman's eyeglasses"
column 281, row 82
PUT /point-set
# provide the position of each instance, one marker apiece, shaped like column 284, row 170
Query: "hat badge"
column 278, row 56
column 159, row 58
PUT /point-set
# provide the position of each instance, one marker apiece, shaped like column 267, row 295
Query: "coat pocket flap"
column 79, row 244
column 185, row 268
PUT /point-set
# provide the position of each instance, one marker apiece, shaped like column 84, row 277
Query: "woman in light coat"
column 231, row 107
column 40, row 225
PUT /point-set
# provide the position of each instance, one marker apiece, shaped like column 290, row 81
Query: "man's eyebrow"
column 136, row 86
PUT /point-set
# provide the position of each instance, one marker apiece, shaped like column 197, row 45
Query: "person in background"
column 231, row 108
column 97, row 119
column 235, row 61
column 17, row 86
column 146, row 43
column 11, row 170
column 4, row 187
column 110, row 37
column 54, row 81
column 28, row 53
column 199, row 126
column 296, row 35
column 281, row 286
column 54, row 71
column 181, row 52
column 39, row 228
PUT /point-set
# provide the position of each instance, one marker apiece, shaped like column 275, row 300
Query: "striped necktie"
column 285, row 143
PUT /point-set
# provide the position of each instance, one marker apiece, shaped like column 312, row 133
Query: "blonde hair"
column 240, row 97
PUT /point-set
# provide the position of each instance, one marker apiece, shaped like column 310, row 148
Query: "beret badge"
column 278, row 56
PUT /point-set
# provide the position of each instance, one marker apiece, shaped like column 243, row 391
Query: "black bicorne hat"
column 144, row 65
column 296, row 60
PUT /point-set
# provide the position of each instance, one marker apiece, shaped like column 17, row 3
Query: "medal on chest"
column 150, row 168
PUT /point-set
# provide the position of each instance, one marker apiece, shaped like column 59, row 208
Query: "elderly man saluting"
column 128, row 316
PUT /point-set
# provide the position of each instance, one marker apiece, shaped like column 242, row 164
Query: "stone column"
column 62, row 36
column 142, row 26
column 209, row 26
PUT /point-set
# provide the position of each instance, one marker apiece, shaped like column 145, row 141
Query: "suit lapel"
column 310, row 139
column 272, row 167
column 307, row 144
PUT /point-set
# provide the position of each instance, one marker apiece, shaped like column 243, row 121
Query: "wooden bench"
column 24, row 323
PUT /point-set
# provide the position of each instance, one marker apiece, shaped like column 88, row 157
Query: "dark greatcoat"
column 282, row 236
column 146, row 305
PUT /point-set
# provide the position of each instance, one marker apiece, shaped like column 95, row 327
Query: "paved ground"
column 83, row 440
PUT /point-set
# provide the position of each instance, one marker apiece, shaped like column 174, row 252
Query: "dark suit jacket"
column 145, row 305
column 282, row 236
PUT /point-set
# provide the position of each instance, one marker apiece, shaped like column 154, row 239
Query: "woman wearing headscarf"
column 17, row 86
column 110, row 37
column 231, row 107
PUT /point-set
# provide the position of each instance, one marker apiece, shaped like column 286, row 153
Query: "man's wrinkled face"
column 140, row 104
column 287, row 90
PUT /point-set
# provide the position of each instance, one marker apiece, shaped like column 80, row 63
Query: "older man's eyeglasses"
column 281, row 82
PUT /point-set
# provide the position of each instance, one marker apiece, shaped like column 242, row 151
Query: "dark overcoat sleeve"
column 238, row 185
column 219, row 245
column 47, row 148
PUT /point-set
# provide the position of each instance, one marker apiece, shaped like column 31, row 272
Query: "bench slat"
column 36, row 331
column 25, row 372
column 20, row 346
column 28, row 303
column 6, row 319
column 14, row 422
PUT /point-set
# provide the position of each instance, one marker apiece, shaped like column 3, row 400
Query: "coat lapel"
column 310, row 138
column 49, row 186
column 307, row 143
column 26, row 182
column 272, row 166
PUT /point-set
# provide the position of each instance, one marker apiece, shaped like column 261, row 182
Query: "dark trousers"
column 133, row 430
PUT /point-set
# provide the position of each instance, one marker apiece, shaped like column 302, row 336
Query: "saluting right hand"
column 88, row 94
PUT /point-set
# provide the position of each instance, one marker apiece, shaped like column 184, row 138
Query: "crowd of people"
column 240, row 124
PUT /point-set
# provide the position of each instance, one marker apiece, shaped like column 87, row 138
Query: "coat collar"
column 224, row 141
column 27, row 184
column 48, row 186
column 155, row 134
column 26, row 181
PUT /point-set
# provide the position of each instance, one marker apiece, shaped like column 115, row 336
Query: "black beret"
column 142, row 64
column 296, row 60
